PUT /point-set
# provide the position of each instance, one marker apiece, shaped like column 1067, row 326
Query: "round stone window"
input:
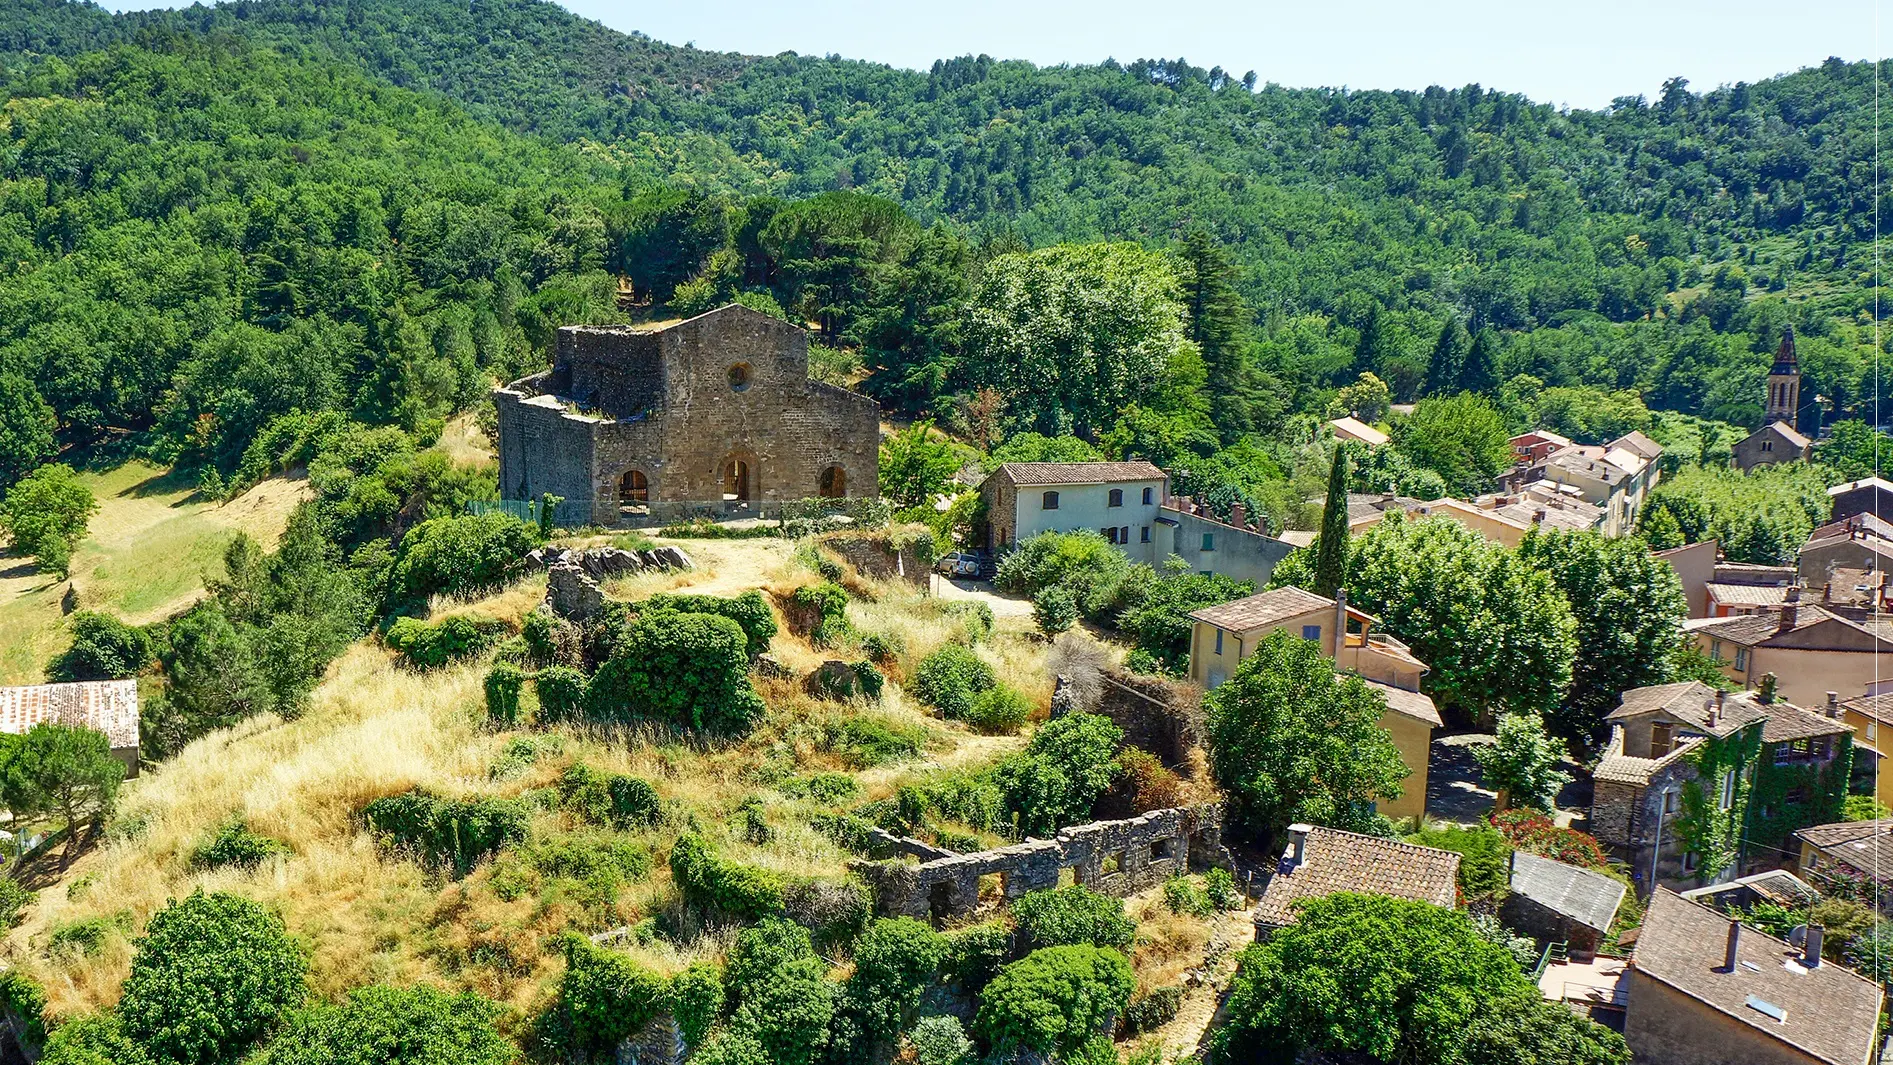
column 739, row 376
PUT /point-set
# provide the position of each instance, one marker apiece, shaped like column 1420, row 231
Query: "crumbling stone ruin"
column 710, row 416
column 1161, row 716
column 572, row 577
column 1115, row 858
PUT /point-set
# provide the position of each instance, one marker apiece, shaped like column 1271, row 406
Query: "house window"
column 1123, row 534
column 1728, row 789
column 1660, row 739
column 1689, row 864
column 1048, row 501
column 1109, row 533
column 1741, row 659
column 1768, row 445
column 1144, row 534
column 1311, row 632
column 1209, row 541
column 1117, row 497
column 1795, row 796
column 1669, row 800
column 1219, row 641
column 1150, row 495
column 1873, row 732
column 1715, row 650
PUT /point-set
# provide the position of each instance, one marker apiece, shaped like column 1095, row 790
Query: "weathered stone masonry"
column 717, row 409
column 1111, row 857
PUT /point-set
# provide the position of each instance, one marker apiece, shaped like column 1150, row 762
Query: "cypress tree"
column 1448, row 361
column 1481, row 372
column 1219, row 323
column 1331, row 546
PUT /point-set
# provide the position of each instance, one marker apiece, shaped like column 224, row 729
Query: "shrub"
column 828, row 603
column 457, row 833
column 975, row 616
column 1069, row 763
column 1083, row 563
column 833, row 911
column 689, row 669
column 86, row 936
column 14, row 899
column 519, row 754
column 46, row 515
column 940, row 1040
column 895, row 961
column 1072, row 915
column 605, row 996
column 750, row 611
column 976, row 953
column 696, row 1000
column 103, row 648
column 883, row 647
column 93, row 1039
column 1055, row 609
column 234, row 845
column 562, row 694
column 1182, row 896
column 1055, row 1000
column 461, row 556
column 999, row 711
column 211, row 975
column 951, row 678
column 870, row 679
column 22, row 1007
column 846, row 830
column 1146, row 783
column 582, row 869
column 1151, row 1010
column 782, row 995
column 431, row 646
column 829, row 789
column 502, row 685
column 1220, row 886
column 1484, row 858
column 1532, row 831
column 870, row 741
column 713, row 883
column 381, row 1025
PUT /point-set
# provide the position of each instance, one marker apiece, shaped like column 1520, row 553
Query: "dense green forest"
column 214, row 216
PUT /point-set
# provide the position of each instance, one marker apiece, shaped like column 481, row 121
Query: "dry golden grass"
column 374, row 728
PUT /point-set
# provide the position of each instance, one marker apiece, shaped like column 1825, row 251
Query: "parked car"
column 973, row 564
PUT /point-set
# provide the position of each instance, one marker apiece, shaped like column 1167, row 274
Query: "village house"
column 1322, row 861
column 1869, row 495
column 1538, row 444
column 1239, row 548
column 1223, row 635
column 1616, row 477
column 1505, row 519
column 714, row 414
column 1861, row 543
column 1695, row 566
column 1705, row 990
column 1687, row 765
column 1810, row 648
column 1120, row 501
column 1869, row 716
column 1357, row 431
column 1846, row 857
column 1559, row 903
column 108, row 706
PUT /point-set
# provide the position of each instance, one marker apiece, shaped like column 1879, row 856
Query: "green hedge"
column 451, row 832
column 749, row 610
column 711, row 882
column 431, row 646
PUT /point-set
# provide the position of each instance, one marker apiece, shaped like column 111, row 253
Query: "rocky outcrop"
column 603, row 563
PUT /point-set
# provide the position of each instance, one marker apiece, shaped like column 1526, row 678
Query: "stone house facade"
column 715, row 414
column 1772, row 443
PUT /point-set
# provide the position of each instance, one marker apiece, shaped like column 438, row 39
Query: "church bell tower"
column 1784, row 381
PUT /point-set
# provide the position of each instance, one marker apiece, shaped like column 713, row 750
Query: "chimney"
column 1833, row 705
column 1538, row 516
column 1340, row 620
column 1729, row 959
column 1827, row 592
column 1297, row 843
column 1811, row 946
column 1715, row 710
column 1238, row 516
column 1790, row 610
column 1386, row 499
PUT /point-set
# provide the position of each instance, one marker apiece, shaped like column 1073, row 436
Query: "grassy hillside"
column 145, row 557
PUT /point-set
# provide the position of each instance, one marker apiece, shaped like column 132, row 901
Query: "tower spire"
column 1784, row 381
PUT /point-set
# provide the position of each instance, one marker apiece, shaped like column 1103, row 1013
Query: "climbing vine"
column 1774, row 819
column 1713, row 834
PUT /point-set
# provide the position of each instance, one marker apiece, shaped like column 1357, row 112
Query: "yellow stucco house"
column 1223, row 635
column 1811, row 648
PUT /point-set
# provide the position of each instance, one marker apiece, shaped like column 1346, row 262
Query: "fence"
column 866, row 511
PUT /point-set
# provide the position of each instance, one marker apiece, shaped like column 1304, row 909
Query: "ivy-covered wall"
column 1713, row 834
column 1773, row 819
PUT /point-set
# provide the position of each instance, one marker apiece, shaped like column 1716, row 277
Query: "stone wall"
column 874, row 554
column 1158, row 715
column 677, row 404
column 1115, row 858
column 1532, row 918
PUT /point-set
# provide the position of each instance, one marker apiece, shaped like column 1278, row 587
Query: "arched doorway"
column 736, row 480
column 634, row 491
column 834, row 483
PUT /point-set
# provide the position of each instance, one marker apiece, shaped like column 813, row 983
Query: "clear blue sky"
column 1581, row 54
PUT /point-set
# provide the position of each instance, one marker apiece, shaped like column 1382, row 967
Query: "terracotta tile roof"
column 1866, row 523
column 1751, row 629
column 1586, row 896
column 1872, row 544
column 110, row 706
column 1690, row 701
column 1333, row 860
column 1748, row 594
column 1564, row 514
column 1041, row 473
column 1864, row 482
column 1412, row 704
column 1786, row 432
column 1637, row 442
column 1544, row 435
column 1787, row 721
column 1619, row 768
column 1261, row 609
column 1828, row 1012
column 1749, row 573
column 1878, row 707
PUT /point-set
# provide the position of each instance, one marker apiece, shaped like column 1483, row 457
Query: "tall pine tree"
column 1481, row 372
column 1219, row 323
column 1449, row 359
column 1331, row 545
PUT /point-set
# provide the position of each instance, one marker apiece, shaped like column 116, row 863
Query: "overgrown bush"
column 235, row 845
column 749, row 610
column 883, row 647
column 1055, row 1000
column 604, row 997
column 999, row 710
column 950, row 679
column 1055, row 609
column 14, row 899
column 461, row 556
column 502, row 685
column 520, row 754
column 1220, row 886
column 865, row 742
column 712, row 883
column 830, row 789
column 456, row 833
column 976, row 953
column 827, row 603
column 563, row 693
column 688, row 669
column 1145, row 783
column 431, row 646
column 781, row 992
column 381, row 1025
column 616, row 799
column 1150, row 1011
column 86, row 936
column 1484, row 858
column 1064, row 769
column 103, row 648
column 1070, row 915
column 940, row 1040
column 976, row 617
column 211, row 976
column 696, row 1000
column 1532, row 831
column 833, row 911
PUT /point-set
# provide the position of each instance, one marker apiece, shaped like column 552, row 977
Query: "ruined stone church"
column 713, row 414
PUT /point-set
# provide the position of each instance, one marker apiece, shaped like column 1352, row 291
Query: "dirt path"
column 1203, row 993
column 1003, row 606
